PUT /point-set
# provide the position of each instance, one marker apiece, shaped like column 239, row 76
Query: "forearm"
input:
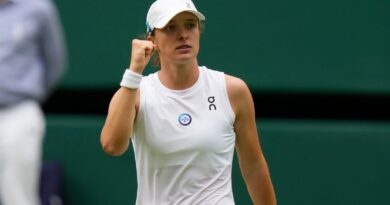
column 259, row 185
column 119, row 123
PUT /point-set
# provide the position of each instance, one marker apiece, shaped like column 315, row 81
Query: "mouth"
column 183, row 47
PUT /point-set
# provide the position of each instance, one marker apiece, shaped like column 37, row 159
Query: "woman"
column 184, row 120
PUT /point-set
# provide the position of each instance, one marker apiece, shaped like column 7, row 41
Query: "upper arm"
column 119, row 124
column 247, row 141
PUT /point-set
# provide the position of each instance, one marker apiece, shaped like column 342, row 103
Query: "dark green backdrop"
column 311, row 162
column 280, row 45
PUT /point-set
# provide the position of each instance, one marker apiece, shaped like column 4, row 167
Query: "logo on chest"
column 211, row 101
column 184, row 119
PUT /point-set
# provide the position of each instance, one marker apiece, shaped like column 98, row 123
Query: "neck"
column 179, row 76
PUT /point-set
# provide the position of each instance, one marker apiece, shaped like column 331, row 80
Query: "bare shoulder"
column 238, row 92
column 234, row 82
column 236, row 87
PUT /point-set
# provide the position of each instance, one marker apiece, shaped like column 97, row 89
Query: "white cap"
column 162, row 11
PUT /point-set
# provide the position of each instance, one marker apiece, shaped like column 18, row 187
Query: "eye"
column 170, row 27
column 191, row 25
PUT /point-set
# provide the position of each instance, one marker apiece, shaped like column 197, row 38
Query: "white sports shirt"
column 184, row 142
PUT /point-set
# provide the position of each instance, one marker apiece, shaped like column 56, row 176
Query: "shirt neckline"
column 182, row 92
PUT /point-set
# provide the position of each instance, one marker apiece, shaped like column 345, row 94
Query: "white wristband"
column 131, row 79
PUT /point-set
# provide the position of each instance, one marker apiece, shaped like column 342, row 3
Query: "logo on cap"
column 148, row 28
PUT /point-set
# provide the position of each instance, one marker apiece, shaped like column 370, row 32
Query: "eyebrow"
column 189, row 20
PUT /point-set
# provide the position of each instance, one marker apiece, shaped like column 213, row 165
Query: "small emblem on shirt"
column 185, row 119
column 211, row 100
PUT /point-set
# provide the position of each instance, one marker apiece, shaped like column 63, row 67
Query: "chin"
column 185, row 57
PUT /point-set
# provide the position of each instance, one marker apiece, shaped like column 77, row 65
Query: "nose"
column 183, row 34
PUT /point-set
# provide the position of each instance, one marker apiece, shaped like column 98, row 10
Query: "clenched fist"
column 141, row 52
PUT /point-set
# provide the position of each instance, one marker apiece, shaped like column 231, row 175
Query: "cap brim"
column 163, row 22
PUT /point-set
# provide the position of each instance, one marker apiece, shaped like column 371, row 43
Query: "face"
column 178, row 41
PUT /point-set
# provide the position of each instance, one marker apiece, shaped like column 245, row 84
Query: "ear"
column 152, row 39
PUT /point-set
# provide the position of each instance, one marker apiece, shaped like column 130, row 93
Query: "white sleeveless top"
column 184, row 142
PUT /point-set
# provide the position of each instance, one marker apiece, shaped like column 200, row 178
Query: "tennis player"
column 185, row 120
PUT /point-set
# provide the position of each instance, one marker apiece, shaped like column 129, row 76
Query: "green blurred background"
column 326, row 46
column 325, row 49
